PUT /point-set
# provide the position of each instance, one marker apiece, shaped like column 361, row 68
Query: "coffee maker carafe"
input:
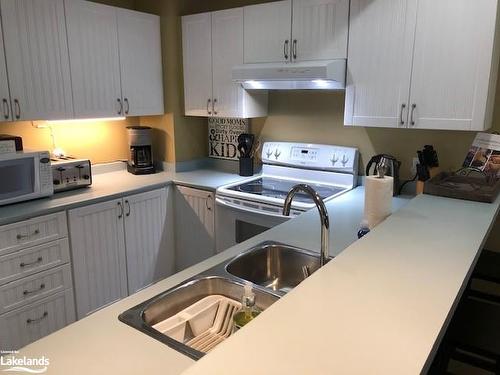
column 140, row 150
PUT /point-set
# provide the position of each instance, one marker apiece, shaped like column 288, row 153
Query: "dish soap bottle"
column 248, row 309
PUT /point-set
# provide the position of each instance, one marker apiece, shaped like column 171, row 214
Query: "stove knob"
column 86, row 177
column 334, row 159
column 345, row 159
column 277, row 154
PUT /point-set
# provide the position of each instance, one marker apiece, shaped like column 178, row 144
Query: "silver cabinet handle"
column 6, row 110
column 27, row 292
column 286, row 46
column 294, row 49
column 31, row 321
column 401, row 119
column 213, row 106
column 209, row 198
column 412, row 120
column 127, row 108
column 38, row 260
column 23, row 236
column 208, row 106
column 120, row 215
column 17, row 109
column 127, row 203
column 120, row 105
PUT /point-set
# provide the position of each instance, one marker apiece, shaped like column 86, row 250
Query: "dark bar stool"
column 473, row 337
column 488, row 267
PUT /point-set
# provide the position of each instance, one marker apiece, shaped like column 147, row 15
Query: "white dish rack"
column 204, row 324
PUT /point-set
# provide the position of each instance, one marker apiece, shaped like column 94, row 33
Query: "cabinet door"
column 227, row 51
column 98, row 253
column 27, row 324
column 6, row 113
column 267, row 31
column 452, row 63
column 197, row 59
column 319, row 29
column 37, row 59
column 195, row 226
column 150, row 256
column 94, row 57
column 140, row 63
column 379, row 62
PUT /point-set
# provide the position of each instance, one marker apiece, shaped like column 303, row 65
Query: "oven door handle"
column 248, row 210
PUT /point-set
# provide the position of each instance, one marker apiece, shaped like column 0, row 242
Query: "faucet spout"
column 323, row 214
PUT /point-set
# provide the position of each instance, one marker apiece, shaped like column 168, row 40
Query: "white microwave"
column 25, row 175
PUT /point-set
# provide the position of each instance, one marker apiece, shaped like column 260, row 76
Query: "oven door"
column 236, row 223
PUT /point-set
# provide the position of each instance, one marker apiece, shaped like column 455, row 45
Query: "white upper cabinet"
column 422, row 64
column 319, row 29
column 6, row 114
column 452, row 64
column 140, row 62
column 212, row 44
column 379, row 62
column 227, row 51
column 37, row 59
column 95, row 60
column 267, row 30
column 197, row 57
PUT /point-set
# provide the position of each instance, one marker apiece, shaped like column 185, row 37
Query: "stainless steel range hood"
column 310, row 75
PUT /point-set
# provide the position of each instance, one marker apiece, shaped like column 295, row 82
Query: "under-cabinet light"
column 83, row 120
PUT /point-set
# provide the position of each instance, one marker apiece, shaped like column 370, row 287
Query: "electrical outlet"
column 414, row 163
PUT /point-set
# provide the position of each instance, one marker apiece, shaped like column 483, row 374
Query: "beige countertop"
column 381, row 306
column 113, row 182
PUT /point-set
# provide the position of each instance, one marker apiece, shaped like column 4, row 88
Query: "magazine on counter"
column 484, row 154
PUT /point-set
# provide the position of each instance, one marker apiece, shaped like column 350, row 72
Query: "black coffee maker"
column 393, row 168
column 140, row 150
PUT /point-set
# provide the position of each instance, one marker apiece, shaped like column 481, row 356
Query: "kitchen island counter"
column 380, row 306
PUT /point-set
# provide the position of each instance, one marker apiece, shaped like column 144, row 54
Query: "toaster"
column 69, row 173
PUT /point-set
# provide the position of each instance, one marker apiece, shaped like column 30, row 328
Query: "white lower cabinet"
column 36, row 287
column 194, row 226
column 119, row 247
column 27, row 324
column 98, row 250
column 148, row 234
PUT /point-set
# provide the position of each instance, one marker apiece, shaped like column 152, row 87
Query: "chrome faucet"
column 323, row 214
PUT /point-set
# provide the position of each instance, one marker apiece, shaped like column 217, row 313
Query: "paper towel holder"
column 393, row 166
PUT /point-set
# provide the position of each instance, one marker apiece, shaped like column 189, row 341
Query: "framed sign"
column 223, row 137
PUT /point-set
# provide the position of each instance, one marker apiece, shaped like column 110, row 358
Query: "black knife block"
column 246, row 167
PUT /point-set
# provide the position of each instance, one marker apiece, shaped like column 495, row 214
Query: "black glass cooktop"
column 276, row 188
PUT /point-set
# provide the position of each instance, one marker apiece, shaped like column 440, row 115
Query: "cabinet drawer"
column 33, row 288
column 33, row 259
column 32, row 232
column 25, row 325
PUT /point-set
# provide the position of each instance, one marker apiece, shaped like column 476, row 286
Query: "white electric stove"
column 249, row 207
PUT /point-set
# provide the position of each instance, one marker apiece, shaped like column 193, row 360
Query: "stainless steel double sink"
column 273, row 268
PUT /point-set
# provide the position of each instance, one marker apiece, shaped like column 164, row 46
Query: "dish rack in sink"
column 204, row 324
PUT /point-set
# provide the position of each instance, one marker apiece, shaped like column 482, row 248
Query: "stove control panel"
column 311, row 156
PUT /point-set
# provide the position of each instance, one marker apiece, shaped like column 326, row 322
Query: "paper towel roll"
column 378, row 199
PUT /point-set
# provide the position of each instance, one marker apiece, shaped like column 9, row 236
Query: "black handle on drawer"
column 23, row 264
column 31, row 321
column 21, row 236
column 41, row 287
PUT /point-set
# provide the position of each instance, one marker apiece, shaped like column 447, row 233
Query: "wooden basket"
column 479, row 188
